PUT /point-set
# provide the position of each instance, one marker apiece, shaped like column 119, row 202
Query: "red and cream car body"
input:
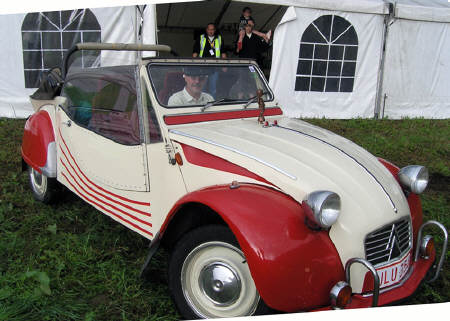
column 256, row 212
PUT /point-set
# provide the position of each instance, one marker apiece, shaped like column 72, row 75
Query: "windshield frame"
column 225, row 64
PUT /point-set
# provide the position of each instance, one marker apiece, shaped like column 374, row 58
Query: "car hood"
column 299, row 158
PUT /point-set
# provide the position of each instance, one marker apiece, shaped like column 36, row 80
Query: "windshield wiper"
column 215, row 102
column 251, row 100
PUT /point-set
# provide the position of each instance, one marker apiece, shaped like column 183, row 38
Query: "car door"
column 165, row 179
column 101, row 153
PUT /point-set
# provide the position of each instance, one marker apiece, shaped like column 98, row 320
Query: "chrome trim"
column 316, row 201
column 38, row 181
column 348, row 155
column 444, row 248
column 409, row 176
column 334, row 293
column 49, row 169
column 390, row 241
column 394, row 286
column 231, row 149
column 220, row 283
column 183, row 276
column 234, row 185
column 424, row 243
column 376, row 278
column 67, row 123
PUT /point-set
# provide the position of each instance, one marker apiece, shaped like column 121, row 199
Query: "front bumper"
column 405, row 288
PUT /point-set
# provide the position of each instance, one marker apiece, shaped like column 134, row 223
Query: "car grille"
column 388, row 243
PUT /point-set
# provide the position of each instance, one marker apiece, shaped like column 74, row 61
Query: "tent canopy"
column 361, row 6
column 224, row 13
column 424, row 10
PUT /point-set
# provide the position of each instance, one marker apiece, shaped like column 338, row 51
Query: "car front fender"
column 293, row 267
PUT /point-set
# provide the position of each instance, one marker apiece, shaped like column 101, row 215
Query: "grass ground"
column 67, row 261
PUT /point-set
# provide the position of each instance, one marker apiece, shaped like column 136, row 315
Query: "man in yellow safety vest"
column 209, row 45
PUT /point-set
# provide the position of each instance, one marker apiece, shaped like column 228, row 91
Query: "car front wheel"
column 209, row 276
column 44, row 188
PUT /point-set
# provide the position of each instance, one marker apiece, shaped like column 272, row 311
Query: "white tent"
column 328, row 58
column 416, row 80
column 409, row 79
column 176, row 24
column 37, row 41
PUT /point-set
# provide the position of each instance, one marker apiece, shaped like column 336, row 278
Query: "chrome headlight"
column 414, row 178
column 323, row 208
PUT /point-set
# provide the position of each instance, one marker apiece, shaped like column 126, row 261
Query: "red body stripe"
column 196, row 118
column 103, row 202
column 201, row 158
column 100, row 188
column 105, row 209
column 104, row 196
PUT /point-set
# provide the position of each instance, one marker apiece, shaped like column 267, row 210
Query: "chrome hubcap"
column 220, row 283
column 38, row 181
column 216, row 281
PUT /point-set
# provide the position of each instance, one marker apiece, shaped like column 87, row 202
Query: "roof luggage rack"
column 111, row 46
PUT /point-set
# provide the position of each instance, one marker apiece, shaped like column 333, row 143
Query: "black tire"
column 44, row 189
column 196, row 265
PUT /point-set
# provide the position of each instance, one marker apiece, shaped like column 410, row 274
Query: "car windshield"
column 178, row 85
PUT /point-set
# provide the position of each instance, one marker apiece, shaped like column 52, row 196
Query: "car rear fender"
column 38, row 144
column 293, row 267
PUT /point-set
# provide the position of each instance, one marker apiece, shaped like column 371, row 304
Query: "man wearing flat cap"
column 192, row 93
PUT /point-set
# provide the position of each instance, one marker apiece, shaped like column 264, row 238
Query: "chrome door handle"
column 67, row 123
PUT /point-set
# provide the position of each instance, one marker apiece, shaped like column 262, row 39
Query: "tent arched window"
column 328, row 55
column 46, row 36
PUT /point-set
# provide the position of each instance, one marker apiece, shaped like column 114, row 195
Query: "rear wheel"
column 209, row 276
column 44, row 188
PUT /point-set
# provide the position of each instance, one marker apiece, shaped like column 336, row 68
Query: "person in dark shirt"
column 209, row 45
column 252, row 45
column 245, row 17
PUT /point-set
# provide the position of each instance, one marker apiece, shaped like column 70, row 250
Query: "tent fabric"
column 417, row 70
column 413, row 82
column 289, row 15
column 361, row 6
column 149, row 28
column 118, row 24
column 13, row 101
column 358, row 103
column 423, row 10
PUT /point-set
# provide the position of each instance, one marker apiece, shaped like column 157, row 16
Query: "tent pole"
column 379, row 113
column 139, row 28
column 224, row 9
column 271, row 17
column 155, row 23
